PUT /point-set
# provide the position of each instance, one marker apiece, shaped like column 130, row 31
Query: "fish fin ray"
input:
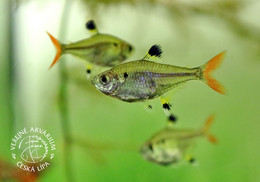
column 91, row 27
column 58, row 47
column 148, row 107
column 88, row 70
column 154, row 51
column 209, row 67
column 191, row 159
column 167, row 108
column 206, row 128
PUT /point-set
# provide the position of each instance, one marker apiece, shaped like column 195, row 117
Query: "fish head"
column 148, row 151
column 126, row 49
column 118, row 52
column 161, row 151
column 106, row 82
column 113, row 50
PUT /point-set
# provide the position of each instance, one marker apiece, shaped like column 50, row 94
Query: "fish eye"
column 150, row 146
column 115, row 44
column 130, row 48
column 104, row 79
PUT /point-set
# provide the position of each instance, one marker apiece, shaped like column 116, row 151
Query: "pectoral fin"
column 148, row 107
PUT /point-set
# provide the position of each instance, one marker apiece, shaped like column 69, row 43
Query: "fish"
column 172, row 146
column 100, row 49
column 142, row 80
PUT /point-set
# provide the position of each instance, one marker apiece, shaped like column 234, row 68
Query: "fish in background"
column 143, row 80
column 99, row 49
column 172, row 146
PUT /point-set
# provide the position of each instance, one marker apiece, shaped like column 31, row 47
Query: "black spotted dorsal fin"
column 154, row 51
column 91, row 26
column 171, row 121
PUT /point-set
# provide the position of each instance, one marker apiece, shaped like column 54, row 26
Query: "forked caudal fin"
column 208, row 68
column 58, row 48
column 206, row 128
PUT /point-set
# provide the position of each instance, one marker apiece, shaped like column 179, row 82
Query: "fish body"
column 171, row 146
column 100, row 49
column 142, row 80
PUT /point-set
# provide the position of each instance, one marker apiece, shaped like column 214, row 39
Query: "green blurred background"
column 98, row 137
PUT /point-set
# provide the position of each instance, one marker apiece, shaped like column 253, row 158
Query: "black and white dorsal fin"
column 154, row 51
column 91, row 26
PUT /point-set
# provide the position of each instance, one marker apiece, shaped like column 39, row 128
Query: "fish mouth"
column 143, row 152
column 98, row 87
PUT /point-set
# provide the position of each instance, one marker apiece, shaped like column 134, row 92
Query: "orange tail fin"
column 58, row 48
column 208, row 68
column 206, row 128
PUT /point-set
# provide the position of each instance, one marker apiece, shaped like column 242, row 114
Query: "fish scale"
column 148, row 79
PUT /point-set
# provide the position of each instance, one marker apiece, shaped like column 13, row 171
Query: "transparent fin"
column 190, row 159
column 88, row 70
column 167, row 108
column 148, row 107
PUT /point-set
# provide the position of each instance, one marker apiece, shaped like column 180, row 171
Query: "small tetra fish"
column 100, row 49
column 171, row 146
column 143, row 80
